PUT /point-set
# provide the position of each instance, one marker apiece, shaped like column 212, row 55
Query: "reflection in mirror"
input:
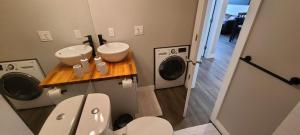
column 35, row 117
column 34, row 30
column 19, row 85
column 27, row 118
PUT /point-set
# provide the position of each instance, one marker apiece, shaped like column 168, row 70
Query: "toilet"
column 91, row 115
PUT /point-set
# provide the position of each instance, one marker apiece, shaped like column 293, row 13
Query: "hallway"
column 210, row 76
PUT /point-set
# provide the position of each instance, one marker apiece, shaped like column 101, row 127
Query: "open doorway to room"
column 215, row 51
column 218, row 41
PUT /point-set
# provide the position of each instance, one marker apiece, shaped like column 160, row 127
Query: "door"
column 203, row 39
column 193, row 64
column 203, row 22
column 172, row 68
column 268, row 98
column 195, row 54
column 27, row 88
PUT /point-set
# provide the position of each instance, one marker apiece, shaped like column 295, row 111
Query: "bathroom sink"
column 113, row 52
column 71, row 55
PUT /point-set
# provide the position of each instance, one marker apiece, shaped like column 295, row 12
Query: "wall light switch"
column 139, row 30
column 111, row 32
column 77, row 33
column 45, row 36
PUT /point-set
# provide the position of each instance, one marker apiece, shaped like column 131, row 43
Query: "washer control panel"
column 7, row 67
column 10, row 67
column 30, row 67
column 178, row 50
column 182, row 50
column 172, row 51
column 18, row 65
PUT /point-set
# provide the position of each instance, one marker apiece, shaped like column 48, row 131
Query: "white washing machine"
column 170, row 66
column 19, row 82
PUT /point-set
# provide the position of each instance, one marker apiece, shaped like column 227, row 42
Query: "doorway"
column 219, row 36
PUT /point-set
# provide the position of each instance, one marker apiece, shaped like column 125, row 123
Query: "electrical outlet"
column 139, row 30
column 77, row 33
column 111, row 32
column 45, row 36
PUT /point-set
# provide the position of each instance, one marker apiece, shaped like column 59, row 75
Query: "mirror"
column 35, row 30
column 35, row 117
column 20, row 87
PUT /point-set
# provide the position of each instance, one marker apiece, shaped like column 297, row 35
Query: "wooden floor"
column 36, row 117
column 203, row 96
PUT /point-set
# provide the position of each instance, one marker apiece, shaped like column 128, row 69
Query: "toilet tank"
column 95, row 118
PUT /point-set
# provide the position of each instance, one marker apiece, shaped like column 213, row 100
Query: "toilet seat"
column 149, row 126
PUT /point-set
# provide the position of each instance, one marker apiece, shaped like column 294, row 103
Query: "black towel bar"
column 292, row 81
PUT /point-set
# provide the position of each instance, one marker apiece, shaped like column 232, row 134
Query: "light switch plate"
column 77, row 33
column 139, row 30
column 45, row 36
column 111, row 32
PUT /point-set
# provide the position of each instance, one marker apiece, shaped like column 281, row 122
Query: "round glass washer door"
column 172, row 68
column 20, row 86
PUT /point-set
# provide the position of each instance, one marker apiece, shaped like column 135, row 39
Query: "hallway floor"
column 203, row 96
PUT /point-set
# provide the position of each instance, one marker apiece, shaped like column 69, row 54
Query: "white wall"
column 215, row 29
column 21, row 19
column 11, row 123
column 205, row 31
column 166, row 23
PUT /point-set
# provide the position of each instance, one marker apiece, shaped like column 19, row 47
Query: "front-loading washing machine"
column 19, row 83
column 170, row 66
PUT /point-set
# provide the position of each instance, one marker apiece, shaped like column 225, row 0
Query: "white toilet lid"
column 149, row 126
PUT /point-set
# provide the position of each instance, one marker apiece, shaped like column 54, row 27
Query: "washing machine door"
column 172, row 68
column 20, row 86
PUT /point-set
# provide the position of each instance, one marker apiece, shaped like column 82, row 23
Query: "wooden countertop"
column 63, row 74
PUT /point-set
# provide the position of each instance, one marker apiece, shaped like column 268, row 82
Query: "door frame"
column 241, row 42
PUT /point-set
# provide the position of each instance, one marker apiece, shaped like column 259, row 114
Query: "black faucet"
column 91, row 43
column 101, row 40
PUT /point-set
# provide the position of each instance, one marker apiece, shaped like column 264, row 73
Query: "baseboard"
column 210, row 56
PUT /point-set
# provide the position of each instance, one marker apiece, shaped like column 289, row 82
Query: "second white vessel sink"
column 71, row 55
column 113, row 52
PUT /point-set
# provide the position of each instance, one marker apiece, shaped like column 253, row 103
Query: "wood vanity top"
column 63, row 74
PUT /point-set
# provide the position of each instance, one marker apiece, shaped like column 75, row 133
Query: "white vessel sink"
column 72, row 55
column 113, row 52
